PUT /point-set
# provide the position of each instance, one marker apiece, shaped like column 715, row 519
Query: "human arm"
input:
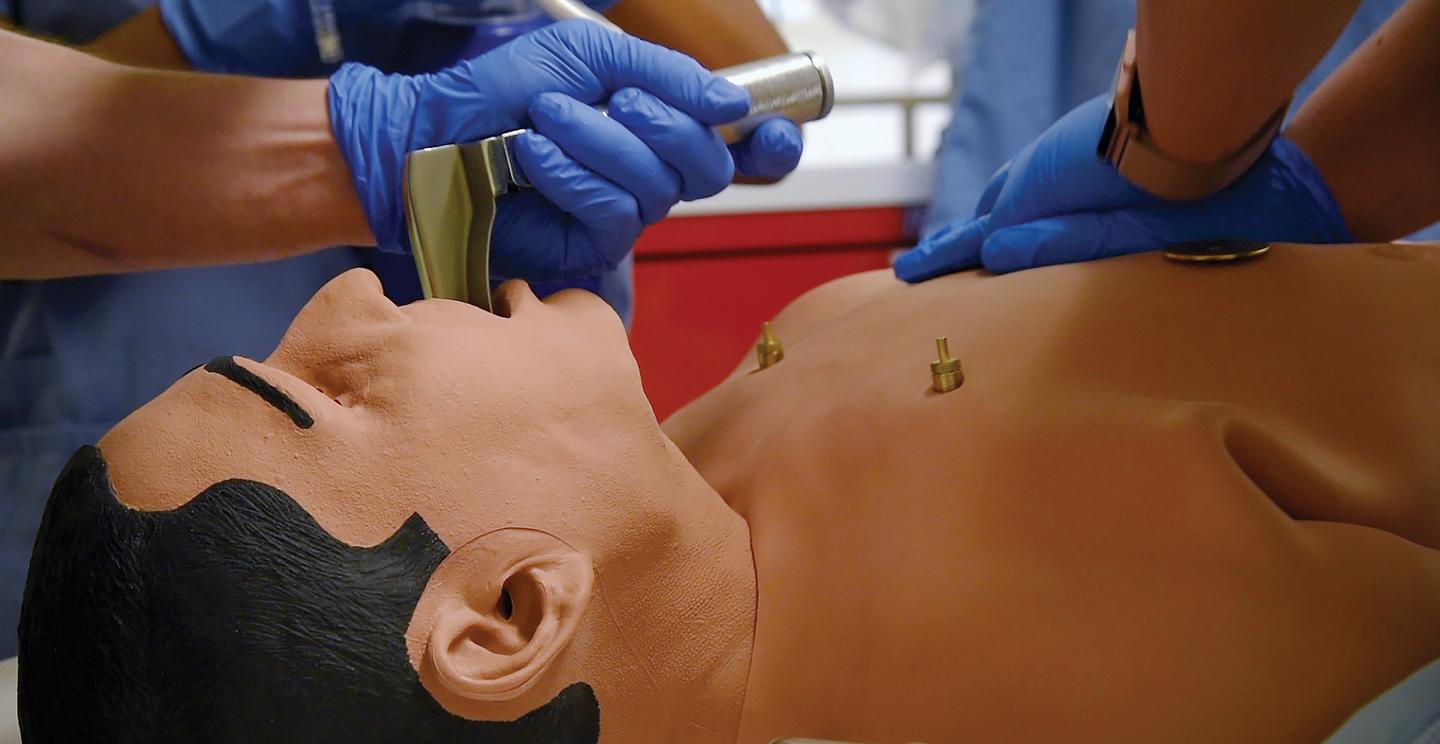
column 1360, row 161
column 105, row 168
column 275, row 37
column 1371, row 128
column 115, row 168
column 1061, row 175
column 1213, row 72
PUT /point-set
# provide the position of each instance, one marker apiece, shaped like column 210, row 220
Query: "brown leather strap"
column 1127, row 145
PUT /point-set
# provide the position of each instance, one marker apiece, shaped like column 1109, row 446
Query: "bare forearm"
column 717, row 33
column 1371, row 128
column 1212, row 72
column 106, row 168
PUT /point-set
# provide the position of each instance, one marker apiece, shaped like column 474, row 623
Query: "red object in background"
column 704, row 284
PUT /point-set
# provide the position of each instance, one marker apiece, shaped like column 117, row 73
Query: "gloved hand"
column 276, row 38
column 1059, row 202
column 1058, row 173
column 598, row 180
column 1281, row 198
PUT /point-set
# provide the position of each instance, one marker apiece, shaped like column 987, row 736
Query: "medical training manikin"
column 1168, row 503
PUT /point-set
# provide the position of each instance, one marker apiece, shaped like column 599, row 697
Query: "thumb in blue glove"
column 1281, row 198
column 771, row 151
column 598, row 180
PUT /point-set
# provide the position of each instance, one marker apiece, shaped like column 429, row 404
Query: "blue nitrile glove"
column 771, row 151
column 1058, row 173
column 1281, row 198
column 1058, row 201
column 598, row 180
column 1033, row 213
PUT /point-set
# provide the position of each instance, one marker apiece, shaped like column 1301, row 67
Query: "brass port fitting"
column 768, row 352
column 945, row 373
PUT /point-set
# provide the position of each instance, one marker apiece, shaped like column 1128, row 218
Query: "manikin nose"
column 333, row 342
column 354, row 297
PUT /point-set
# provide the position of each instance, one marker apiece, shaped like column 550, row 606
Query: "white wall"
column 876, row 48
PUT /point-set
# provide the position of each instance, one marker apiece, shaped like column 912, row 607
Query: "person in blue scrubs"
column 1009, row 93
column 78, row 354
column 1060, row 202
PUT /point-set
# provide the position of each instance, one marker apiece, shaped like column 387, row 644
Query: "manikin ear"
column 496, row 615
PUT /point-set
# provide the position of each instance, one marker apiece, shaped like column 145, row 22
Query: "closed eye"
column 226, row 367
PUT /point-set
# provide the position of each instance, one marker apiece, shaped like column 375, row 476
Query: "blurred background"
column 892, row 64
column 708, row 276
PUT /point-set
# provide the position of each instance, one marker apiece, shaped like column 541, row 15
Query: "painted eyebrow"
column 226, row 367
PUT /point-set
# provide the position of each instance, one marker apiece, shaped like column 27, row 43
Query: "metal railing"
column 907, row 103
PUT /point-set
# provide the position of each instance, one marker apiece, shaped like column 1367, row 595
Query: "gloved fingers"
column 605, row 146
column 1072, row 238
column 771, row 151
column 594, row 251
column 607, row 212
column 993, row 189
column 623, row 61
column 954, row 247
column 1060, row 173
column 691, row 149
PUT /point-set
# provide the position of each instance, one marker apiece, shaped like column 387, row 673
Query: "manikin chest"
column 1108, row 531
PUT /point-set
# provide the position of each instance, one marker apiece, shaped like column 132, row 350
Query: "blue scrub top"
column 77, row 355
column 1028, row 62
column 77, row 21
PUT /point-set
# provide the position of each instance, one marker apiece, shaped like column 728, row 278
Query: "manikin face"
column 368, row 413
column 520, row 440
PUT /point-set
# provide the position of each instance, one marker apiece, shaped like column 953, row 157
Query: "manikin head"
column 418, row 523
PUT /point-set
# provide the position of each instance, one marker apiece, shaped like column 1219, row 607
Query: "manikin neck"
column 673, row 650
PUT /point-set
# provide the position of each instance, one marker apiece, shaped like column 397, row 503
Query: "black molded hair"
column 235, row 618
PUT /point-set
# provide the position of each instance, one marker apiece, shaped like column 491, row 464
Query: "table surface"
column 902, row 184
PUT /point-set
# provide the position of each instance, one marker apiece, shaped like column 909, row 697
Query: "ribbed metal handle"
column 795, row 86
